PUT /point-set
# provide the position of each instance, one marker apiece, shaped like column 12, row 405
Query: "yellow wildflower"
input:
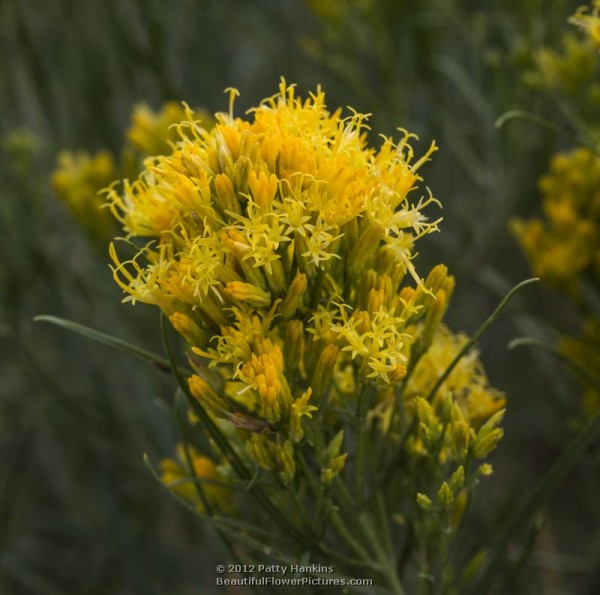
column 467, row 385
column 300, row 409
column 78, row 181
column 566, row 245
column 281, row 246
column 587, row 18
column 179, row 478
column 153, row 133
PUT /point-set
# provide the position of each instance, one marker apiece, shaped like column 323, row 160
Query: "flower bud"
column 246, row 292
column 294, row 297
column 323, row 374
column 186, row 327
column 286, row 464
column 424, row 502
column 445, row 496
column 207, row 397
column 294, row 345
column 365, row 247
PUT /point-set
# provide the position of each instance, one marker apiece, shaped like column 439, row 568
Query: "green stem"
column 188, row 457
column 480, row 331
column 547, row 124
column 386, row 561
column 342, row 530
column 349, row 538
column 582, row 372
column 362, row 406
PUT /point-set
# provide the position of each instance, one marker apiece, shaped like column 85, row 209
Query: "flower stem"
column 480, row 331
column 386, row 561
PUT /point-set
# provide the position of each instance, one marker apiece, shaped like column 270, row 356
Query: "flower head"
column 587, row 18
column 282, row 248
column 565, row 245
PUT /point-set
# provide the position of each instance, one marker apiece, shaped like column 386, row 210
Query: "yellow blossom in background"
column 572, row 69
column 77, row 182
column 565, row 245
column 80, row 178
column 189, row 483
column 152, row 133
column 467, row 386
column 587, row 18
column 585, row 350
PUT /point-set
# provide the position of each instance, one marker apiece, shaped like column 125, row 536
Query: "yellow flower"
column 178, row 477
column 80, row 177
column 467, row 385
column 153, row 133
column 565, row 246
column 300, row 409
column 77, row 181
column 281, row 247
column 587, row 18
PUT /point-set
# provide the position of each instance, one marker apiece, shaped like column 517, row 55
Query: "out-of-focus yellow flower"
column 185, row 483
column 587, row 18
column 585, row 350
column 153, row 133
column 78, row 181
column 566, row 244
column 571, row 70
column 80, row 177
column 467, row 385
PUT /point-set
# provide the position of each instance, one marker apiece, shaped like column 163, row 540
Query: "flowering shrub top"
column 281, row 247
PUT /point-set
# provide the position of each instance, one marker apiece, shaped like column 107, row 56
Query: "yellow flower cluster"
column 587, row 18
column 566, row 245
column 153, row 133
column 571, row 70
column 280, row 247
column 197, row 481
column 80, row 178
column 77, row 181
column 585, row 350
column 467, row 386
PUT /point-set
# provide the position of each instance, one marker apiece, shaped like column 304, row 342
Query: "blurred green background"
column 79, row 513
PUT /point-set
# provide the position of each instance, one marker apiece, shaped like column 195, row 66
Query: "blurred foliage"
column 78, row 511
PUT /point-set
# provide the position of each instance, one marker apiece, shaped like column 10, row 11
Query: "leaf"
column 573, row 364
column 478, row 334
column 115, row 343
column 543, row 123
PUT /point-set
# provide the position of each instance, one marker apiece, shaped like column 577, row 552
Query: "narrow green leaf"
column 543, row 123
column 574, row 365
column 115, row 343
column 478, row 334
